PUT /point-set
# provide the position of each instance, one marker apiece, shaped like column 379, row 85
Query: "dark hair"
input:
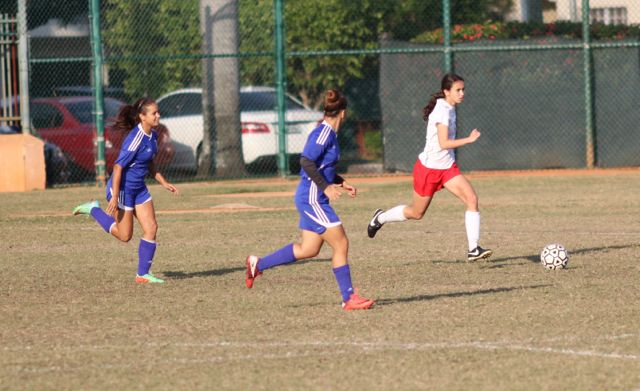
column 447, row 82
column 128, row 116
column 334, row 103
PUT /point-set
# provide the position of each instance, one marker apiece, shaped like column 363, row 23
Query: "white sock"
column 472, row 223
column 392, row 215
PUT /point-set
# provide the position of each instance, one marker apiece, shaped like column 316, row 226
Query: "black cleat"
column 479, row 253
column 374, row 225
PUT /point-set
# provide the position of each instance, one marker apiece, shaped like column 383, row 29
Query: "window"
column 610, row 15
column 171, row 106
column 45, row 116
column 192, row 104
column 265, row 101
column 83, row 111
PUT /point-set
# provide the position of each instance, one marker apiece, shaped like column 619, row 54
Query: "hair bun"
column 334, row 102
column 332, row 96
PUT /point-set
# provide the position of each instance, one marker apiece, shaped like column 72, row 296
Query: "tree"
column 136, row 30
column 221, row 90
column 310, row 25
column 341, row 25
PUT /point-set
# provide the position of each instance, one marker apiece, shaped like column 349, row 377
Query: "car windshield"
column 83, row 111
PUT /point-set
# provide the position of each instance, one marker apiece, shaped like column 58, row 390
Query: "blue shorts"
column 128, row 199
column 315, row 215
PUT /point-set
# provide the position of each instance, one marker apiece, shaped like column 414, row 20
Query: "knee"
column 307, row 253
column 125, row 237
column 342, row 244
column 304, row 252
column 412, row 214
column 472, row 201
column 151, row 229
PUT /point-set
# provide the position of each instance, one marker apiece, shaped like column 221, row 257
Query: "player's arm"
column 340, row 181
column 446, row 143
column 161, row 179
column 310, row 168
column 116, row 178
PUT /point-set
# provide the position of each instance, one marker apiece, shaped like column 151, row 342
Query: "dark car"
column 57, row 164
column 108, row 92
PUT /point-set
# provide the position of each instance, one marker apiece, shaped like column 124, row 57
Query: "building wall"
column 563, row 8
column 526, row 11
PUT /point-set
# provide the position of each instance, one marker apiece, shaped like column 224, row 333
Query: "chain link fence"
column 545, row 91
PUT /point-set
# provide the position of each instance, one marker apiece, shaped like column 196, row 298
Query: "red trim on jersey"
column 427, row 181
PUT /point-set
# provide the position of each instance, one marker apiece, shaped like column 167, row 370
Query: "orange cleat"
column 356, row 302
column 252, row 270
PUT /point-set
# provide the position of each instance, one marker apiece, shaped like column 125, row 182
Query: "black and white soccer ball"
column 554, row 256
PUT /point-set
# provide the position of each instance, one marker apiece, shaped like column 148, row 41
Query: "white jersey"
column 433, row 156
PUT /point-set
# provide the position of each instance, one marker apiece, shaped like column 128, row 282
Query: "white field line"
column 309, row 349
column 233, row 344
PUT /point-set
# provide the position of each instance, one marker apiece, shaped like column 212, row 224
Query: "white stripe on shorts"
column 313, row 201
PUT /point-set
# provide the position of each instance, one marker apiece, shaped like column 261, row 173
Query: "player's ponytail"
column 432, row 103
column 447, row 82
column 128, row 116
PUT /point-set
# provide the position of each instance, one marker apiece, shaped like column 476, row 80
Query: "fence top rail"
column 395, row 50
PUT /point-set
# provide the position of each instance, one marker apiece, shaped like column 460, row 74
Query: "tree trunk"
column 221, row 148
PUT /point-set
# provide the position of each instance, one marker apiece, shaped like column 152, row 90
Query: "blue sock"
column 279, row 257
column 145, row 256
column 343, row 276
column 102, row 218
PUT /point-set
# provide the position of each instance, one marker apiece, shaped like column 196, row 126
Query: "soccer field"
column 73, row 318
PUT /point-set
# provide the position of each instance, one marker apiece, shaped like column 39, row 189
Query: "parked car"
column 108, row 92
column 56, row 162
column 69, row 123
column 181, row 111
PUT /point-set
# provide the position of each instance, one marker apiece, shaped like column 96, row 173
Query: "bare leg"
column 146, row 215
column 309, row 247
column 123, row 229
column 418, row 207
column 460, row 187
column 337, row 239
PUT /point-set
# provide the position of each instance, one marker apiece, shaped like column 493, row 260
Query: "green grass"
column 72, row 317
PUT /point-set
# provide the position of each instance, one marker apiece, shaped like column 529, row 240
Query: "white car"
column 181, row 112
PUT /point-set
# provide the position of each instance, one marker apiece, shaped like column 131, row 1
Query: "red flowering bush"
column 520, row 30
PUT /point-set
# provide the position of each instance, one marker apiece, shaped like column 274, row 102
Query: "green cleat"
column 148, row 279
column 85, row 208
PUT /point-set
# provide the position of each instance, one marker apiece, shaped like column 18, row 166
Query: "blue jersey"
column 316, row 215
column 138, row 150
column 322, row 148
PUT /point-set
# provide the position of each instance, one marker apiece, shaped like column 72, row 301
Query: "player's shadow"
column 496, row 263
column 436, row 296
column 180, row 275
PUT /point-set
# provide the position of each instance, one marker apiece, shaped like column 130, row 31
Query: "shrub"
column 520, row 30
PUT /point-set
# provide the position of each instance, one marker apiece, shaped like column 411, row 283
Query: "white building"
column 526, row 11
column 605, row 11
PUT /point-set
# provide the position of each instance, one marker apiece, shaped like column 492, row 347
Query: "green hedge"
column 520, row 30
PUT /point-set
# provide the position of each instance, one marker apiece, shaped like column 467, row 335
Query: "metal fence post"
column 588, row 88
column 283, row 161
column 23, row 67
column 446, row 29
column 96, row 49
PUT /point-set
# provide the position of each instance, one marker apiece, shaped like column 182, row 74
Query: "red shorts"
column 426, row 181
